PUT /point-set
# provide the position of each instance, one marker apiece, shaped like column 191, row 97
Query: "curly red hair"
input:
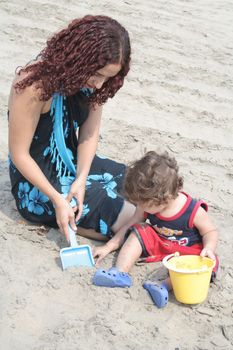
column 74, row 54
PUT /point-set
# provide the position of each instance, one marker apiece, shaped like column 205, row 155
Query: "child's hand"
column 100, row 253
column 208, row 252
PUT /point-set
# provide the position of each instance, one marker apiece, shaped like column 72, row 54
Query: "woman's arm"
column 208, row 232
column 24, row 113
column 87, row 145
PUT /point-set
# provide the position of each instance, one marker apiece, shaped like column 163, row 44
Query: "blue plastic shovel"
column 76, row 255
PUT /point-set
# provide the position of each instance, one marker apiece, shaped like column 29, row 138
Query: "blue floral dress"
column 103, row 201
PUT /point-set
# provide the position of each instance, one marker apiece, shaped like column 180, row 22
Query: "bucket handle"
column 166, row 258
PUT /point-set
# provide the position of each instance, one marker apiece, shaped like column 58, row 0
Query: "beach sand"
column 178, row 97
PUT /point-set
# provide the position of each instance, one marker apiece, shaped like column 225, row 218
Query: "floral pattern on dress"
column 23, row 191
column 108, row 182
column 103, row 227
column 34, row 200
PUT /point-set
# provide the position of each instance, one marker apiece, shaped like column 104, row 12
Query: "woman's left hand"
column 77, row 191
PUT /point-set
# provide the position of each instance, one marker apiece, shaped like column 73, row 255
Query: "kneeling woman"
column 55, row 108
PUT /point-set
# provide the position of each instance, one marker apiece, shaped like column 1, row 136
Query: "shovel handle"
column 72, row 237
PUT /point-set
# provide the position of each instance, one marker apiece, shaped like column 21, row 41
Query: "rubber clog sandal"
column 158, row 293
column 111, row 278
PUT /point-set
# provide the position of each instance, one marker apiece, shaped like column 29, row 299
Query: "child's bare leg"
column 129, row 253
column 159, row 291
column 167, row 283
column 118, row 276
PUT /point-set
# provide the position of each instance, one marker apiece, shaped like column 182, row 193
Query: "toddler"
column 166, row 220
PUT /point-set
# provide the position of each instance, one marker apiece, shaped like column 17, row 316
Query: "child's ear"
column 180, row 182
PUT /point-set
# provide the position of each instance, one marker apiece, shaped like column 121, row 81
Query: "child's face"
column 152, row 208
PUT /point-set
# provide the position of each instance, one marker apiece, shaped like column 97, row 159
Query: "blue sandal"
column 111, row 278
column 158, row 293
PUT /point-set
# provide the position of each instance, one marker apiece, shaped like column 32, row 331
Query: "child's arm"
column 118, row 239
column 208, row 232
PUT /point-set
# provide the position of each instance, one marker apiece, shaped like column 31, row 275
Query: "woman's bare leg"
column 90, row 233
column 124, row 216
column 126, row 213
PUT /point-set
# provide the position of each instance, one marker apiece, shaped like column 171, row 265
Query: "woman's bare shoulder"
column 30, row 94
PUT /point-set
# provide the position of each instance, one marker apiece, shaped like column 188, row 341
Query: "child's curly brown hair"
column 154, row 178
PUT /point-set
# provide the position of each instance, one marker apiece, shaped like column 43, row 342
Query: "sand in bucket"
column 190, row 276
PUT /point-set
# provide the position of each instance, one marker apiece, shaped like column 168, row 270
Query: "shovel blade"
column 76, row 256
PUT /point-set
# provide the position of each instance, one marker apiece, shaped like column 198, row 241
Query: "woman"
column 55, row 108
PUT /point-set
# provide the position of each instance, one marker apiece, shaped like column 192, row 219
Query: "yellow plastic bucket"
column 190, row 276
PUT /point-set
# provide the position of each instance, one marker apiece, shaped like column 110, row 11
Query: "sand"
column 178, row 96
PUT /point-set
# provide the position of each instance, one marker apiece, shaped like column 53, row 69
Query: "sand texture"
column 179, row 97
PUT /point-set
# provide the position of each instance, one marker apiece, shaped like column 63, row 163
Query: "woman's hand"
column 100, row 253
column 77, row 191
column 65, row 216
